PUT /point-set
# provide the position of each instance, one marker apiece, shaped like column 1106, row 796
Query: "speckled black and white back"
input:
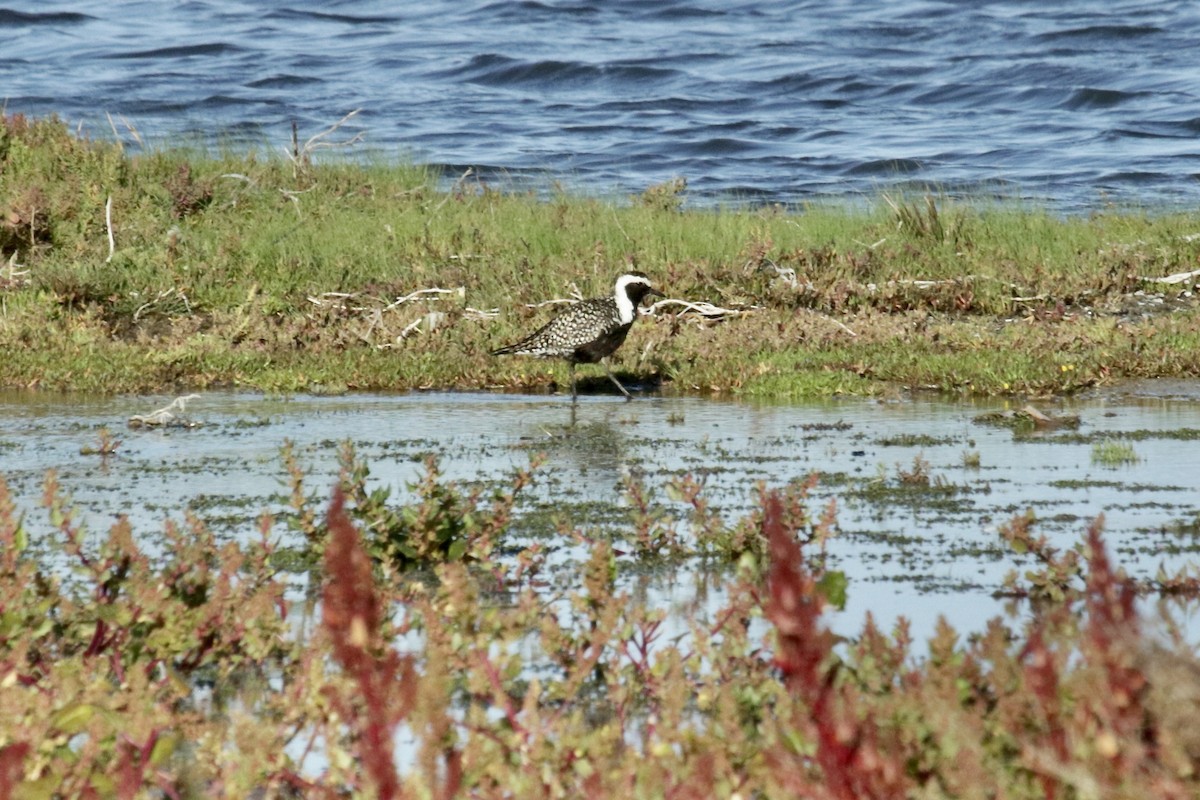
column 590, row 329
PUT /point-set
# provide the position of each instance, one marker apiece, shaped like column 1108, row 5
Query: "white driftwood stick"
column 420, row 294
column 1178, row 277
column 112, row 243
column 702, row 308
column 164, row 415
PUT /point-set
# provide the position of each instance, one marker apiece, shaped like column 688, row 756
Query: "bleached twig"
column 407, row 331
column 918, row 283
column 112, row 243
column 294, row 196
column 575, row 297
column 11, row 274
column 332, row 295
column 372, row 309
column 300, row 155
column 703, row 308
column 419, row 293
column 1178, row 277
column 166, row 415
column 836, row 322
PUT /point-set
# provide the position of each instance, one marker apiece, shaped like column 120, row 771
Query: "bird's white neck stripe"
column 625, row 310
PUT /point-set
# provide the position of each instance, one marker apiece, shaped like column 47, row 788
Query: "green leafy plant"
column 1057, row 574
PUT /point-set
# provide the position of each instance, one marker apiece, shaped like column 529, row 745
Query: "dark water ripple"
column 1071, row 105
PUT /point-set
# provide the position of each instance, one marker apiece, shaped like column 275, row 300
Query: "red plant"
column 134, row 762
column 1126, row 732
column 853, row 765
column 1042, row 676
column 387, row 683
column 1111, row 717
column 12, row 767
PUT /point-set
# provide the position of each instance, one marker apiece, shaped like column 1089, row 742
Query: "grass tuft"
column 1113, row 453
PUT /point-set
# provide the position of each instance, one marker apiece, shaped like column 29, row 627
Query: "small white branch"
column 339, row 298
column 371, row 311
column 112, row 243
column 12, row 273
column 166, row 415
column 1178, row 277
column 301, row 155
column 702, row 308
column 294, row 196
column 420, row 293
column 411, row 328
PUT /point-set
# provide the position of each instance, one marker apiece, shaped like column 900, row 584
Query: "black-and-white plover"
column 590, row 330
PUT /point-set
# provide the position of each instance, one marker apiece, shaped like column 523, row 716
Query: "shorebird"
column 590, row 330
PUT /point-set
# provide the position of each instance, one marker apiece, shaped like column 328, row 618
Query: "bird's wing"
column 578, row 325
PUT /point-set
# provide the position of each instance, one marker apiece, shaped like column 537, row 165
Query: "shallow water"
column 912, row 553
column 1073, row 104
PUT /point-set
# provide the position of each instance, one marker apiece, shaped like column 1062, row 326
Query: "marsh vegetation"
column 431, row 641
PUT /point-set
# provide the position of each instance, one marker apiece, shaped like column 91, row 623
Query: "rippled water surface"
column 917, row 553
column 1072, row 104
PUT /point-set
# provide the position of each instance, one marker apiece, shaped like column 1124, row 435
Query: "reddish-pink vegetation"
column 1108, row 722
column 852, row 764
column 387, row 683
column 12, row 758
column 1041, row 677
column 133, row 765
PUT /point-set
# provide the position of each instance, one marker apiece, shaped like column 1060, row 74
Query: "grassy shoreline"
column 259, row 273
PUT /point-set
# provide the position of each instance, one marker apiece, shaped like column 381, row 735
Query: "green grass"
column 1113, row 453
column 223, row 265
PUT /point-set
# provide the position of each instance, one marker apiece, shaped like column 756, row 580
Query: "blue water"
column 1072, row 105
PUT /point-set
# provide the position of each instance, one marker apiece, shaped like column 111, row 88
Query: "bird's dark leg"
column 571, row 372
column 613, row 378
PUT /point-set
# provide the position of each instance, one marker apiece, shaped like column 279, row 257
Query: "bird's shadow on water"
column 635, row 383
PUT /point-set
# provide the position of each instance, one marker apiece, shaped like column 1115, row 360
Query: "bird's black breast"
column 601, row 346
